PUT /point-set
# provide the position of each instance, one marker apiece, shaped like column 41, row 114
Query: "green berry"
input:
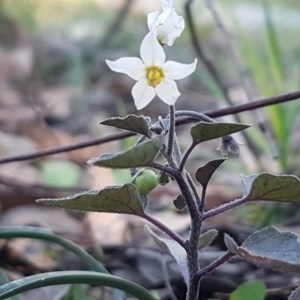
column 145, row 182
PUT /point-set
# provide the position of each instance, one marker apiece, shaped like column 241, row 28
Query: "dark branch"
column 114, row 137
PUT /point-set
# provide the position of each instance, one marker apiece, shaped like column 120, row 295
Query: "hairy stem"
column 213, row 266
column 194, row 190
column 222, row 208
column 165, row 229
column 186, row 155
column 171, row 130
column 192, row 250
column 165, row 169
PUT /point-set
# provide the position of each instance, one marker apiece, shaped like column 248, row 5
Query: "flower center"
column 154, row 76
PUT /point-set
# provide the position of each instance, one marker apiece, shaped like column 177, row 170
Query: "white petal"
column 167, row 91
column 131, row 66
column 152, row 20
column 167, row 6
column 152, row 53
column 171, row 30
column 175, row 70
column 142, row 94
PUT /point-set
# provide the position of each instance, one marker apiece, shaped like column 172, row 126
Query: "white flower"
column 168, row 24
column 153, row 74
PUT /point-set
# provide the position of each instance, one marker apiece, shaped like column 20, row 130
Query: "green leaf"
column 138, row 156
column 250, row 290
column 272, row 249
column 179, row 202
column 206, row 238
column 114, row 199
column 204, row 131
column 174, row 249
column 60, row 173
column 203, row 174
column 295, row 295
column 230, row 243
column 269, row 187
column 132, row 123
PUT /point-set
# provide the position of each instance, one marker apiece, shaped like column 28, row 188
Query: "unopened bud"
column 229, row 144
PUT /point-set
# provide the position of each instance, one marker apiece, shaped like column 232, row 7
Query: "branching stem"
column 171, row 130
column 222, row 208
column 173, row 235
column 213, row 266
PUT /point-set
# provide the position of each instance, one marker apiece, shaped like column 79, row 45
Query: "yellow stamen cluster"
column 154, row 76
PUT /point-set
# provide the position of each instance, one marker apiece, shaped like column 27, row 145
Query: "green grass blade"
column 73, row 277
column 274, row 53
column 4, row 280
column 48, row 235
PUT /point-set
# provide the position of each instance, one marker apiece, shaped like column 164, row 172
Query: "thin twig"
column 222, row 208
column 193, row 188
column 171, row 130
column 177, row 151
column 186, row 155
column 118, row 136
column 242, row 73
column 173, row 235
column 163, row 168
column 213, row 266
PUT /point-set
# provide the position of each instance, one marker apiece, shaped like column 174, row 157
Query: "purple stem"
column 186, row 155
column 222, row 208
column 213, row 266
column 173, row 235
column 163, row 168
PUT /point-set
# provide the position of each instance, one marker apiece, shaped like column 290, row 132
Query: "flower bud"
column 168, row 24
column 229, row 144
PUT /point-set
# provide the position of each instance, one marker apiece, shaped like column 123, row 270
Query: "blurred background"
column 55, row 88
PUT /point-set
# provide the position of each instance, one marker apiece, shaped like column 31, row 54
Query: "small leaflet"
column 204, row 131
column 132, row 123
column 138, row 156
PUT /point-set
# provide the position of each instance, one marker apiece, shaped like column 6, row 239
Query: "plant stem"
column 202, row 201
column 163, row 168
column 213, row 266
column 173, row 235
column 194, row 190
column 177, row 151
column 222, row 208
column 186, row 155
column 194, row 114
column 171, row 130
column 192, row 249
